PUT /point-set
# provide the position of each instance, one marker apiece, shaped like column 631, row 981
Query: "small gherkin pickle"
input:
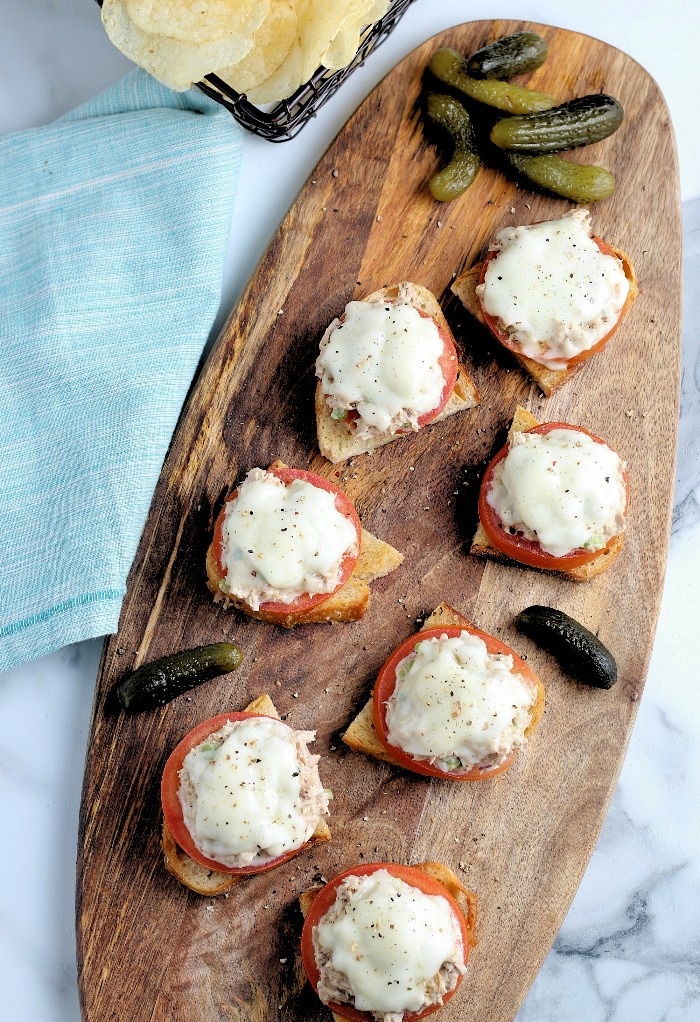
column 155, row 684
column 512, row 55
column 449, row 114
column 580, row 652
column 450, row 68
column 579, row 122
column 579, row 182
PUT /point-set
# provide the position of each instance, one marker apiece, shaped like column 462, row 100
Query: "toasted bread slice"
column 362, row 736
column 337, row 443
column 546, row 379
column 348, row 603
column 482, row 546
column 206, row 881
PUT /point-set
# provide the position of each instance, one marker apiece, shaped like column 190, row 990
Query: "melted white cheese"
column 552, row 289
column 382, row 362
column 562, row 489
column 455, row 700
column 390, row 941
column 251, row 792
column 282, row 541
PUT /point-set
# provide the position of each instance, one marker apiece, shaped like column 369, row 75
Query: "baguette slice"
column 362, row 736
column 207, row 881
column 548, row 380
column 482, row 546
column 348, row 603
column 337, row 443
column 465, row 898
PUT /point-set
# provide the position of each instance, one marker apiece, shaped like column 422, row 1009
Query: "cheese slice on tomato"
column 381, row 362
column 552, row 289
column 251, row 792
column 458, row 705
column 280, row 541
column 386, row 946
column 562, row 489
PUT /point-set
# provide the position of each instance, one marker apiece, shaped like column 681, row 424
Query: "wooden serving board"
column 148, row 949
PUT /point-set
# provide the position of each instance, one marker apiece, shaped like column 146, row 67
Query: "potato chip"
column 283, row 83
column 175, row 63
column 342, row 48
column 272, row 44
column 265, row 49
column 319, row 23
column 346, row 42
column 196, row 21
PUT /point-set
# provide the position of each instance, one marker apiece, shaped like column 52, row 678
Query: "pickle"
column 579, row 122
column 454, row 178
column 450, row 68
column 157, row 683
column 579, row 182
column 512, row 55
column 578, row 651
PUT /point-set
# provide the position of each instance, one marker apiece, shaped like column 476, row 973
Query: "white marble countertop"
column 629, row 950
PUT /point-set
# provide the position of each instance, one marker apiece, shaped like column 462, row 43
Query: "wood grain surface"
column 148, row 949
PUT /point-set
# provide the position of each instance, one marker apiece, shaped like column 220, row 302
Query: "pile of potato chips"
column 263, row 48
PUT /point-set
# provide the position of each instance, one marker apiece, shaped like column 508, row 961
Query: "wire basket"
column 286, row 119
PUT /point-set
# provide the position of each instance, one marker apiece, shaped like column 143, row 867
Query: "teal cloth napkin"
column 113, row 227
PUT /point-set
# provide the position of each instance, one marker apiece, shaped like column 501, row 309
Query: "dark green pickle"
column 450, row 68
column 579, row 651
column 454, row 178
column 512, row 55
column 155, row 684
column 582, row 183
column 579, row 122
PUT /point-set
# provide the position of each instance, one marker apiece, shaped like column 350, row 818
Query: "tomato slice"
column 448, row 363
column 325, row 899
column 342, row 503
column 449, row 367
column 386, row 683
column 172, row 810
column 515, row 545
column 508, row 341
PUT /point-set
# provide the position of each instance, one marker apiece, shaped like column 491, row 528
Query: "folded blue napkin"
column 113, row 227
